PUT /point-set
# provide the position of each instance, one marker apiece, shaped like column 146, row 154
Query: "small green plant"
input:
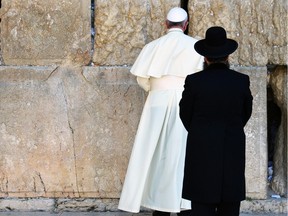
column 249, row 199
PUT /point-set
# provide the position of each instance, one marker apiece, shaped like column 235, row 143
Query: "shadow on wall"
column 277, row 129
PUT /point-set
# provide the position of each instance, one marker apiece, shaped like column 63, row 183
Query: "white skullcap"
column 177, row 15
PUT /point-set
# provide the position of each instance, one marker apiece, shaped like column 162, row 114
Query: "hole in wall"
column 184, row 5
column 277, row 129
column 273, row 123
column 92, row 8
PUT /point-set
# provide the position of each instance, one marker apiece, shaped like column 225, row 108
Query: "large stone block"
column 124, row 27
column 256, row 135
column 66, row 131
column 35, row 138
column 259, row 26
column 105, row 128
column 45, row 32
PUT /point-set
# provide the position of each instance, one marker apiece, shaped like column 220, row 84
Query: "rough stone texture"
column 37, row 32
column 260, row 27
column 256, row 135
column 69, row 132
column 66, row 131
column 36, row 152
column 277, row 206
column 124, row 27
column 278, row 82
column 27, row 204
column 87, row 205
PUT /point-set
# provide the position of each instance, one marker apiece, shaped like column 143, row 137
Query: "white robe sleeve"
column 143, row 83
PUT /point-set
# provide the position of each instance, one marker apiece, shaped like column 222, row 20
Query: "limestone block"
column 260, row 27
column 88, row 204
column 66, row 131
column 37, row 156
column 45, row 32
column 256, row 135
column 124, row 27
column 105, row 129
column 278, row 82
column 27, row 204
column 269, row 206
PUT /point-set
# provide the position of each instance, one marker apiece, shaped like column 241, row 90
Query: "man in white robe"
column 155, row 172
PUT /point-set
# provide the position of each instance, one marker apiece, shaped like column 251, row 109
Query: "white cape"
column 171, row 54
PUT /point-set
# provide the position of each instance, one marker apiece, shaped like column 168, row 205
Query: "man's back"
column 215, row 106
column 220, row 94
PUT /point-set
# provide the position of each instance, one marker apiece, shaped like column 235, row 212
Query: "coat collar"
column 217, row 66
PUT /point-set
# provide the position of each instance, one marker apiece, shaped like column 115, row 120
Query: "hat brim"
column 215, row 52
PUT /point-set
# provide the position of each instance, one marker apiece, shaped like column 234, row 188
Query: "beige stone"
column 37, row 157
column 106, row 126
column 277, row 206
column 259, row 26
column 66, row 131
column 27, row 204
column 45, row 32
column 124, row 27
column 109, row 207
column 256, row 135
column 73, row 130
column 87, row 204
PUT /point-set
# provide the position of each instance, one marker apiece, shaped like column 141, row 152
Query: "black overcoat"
column 215, row 106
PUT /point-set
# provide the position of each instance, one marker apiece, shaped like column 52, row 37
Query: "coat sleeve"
column 186, row 104
column 248, row 103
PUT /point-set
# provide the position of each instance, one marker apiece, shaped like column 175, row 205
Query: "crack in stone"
column 52, row 72
column 73, row 140
column 42, row 182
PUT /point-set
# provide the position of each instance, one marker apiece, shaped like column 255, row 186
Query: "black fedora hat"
column 216, row 44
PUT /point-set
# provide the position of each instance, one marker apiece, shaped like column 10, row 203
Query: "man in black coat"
column 215, row 106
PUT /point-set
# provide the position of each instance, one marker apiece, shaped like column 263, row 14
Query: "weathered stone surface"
column 69, row 132
column 35, row 138
column 27, row 204
column 256, row 135
column 260, row 27
column 105, row 129
column 277, row 206
column 124, row 27
column 88, row 204
column 36, row 32
column 66, row 131
column 278, row 82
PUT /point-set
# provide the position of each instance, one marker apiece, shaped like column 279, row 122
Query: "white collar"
column 175, row 30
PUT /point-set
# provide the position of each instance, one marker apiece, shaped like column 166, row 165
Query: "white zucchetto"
column 177, row 14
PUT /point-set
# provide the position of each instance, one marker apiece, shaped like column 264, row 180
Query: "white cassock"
column 155, row 172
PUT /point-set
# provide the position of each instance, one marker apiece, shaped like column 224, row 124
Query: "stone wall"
column 69, row 107
column 259, row 26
